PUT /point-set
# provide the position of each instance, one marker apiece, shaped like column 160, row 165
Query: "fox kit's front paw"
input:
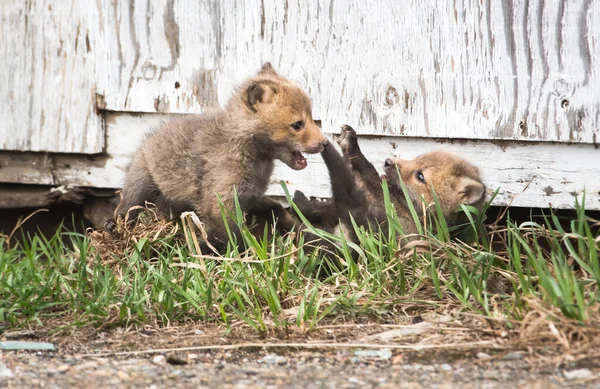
column 300, row 199
column 348, row 141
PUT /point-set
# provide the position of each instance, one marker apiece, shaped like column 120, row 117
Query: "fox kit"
column 190, row 160
column 357, row 191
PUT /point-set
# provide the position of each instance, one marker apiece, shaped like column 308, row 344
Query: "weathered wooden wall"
column 415, row 73
column 49, row 54
column 526, row 70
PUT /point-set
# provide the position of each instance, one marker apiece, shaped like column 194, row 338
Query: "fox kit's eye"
column 297, row 126
column 420, row 177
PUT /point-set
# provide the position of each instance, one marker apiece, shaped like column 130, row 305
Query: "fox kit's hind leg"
column 316, row 212
column 265, row 208
column 139, row 189
column 261, row 208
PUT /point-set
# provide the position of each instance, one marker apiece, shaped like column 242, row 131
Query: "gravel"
column 298, row 369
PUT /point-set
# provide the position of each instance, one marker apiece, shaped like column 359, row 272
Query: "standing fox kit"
column 357, row 191
column 190, row 160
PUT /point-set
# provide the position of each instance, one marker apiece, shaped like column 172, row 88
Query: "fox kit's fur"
column 190, row 160
column 357, row 191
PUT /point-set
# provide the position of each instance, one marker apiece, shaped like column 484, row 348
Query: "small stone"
column 398, row 360
column 274, row 359
column 122, row 375
column 384, row 354
column 481, row 355
column 176, row 360
column 101, row 373
column 515, row 355
column 177, row 373
column 6, row 372
column 62, row 368
column 86, row 366
column 578, row 374
column 446, row 367
column 198, row 332
column 159, row 360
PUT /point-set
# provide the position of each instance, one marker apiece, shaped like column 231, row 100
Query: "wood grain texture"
column 20, row 196
column 528, row 174
column 48, row 79
column 522, row 70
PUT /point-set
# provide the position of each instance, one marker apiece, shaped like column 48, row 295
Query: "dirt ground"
column 299, row 369
column 198, row 356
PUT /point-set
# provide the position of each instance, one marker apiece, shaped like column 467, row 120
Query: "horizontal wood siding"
column 528, row 174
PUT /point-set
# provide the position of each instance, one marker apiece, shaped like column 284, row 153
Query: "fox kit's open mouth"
column 299, row 160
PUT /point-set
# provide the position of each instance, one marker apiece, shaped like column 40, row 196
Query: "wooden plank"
column 529, row 174
column 21, row 196
column 456, row 69
column 47, row 85
column 102, row 171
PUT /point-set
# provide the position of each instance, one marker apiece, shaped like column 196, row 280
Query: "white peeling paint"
column 455, row 69
column 48, row 58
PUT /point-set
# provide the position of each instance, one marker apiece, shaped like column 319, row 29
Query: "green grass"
column 283, row 283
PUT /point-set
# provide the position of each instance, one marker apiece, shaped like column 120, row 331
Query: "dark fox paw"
column 110, row 226
column 347, row 140
column 300, row 198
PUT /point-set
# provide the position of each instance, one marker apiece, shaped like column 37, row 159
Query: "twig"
column 486, row 318
column 300, row 345
column 20, row 223
column 415, row 326
column 187, row 222
column 229, row 259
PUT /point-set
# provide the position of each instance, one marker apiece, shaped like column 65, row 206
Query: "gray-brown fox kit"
column 191, row 159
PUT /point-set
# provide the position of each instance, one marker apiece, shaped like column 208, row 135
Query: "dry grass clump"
column 124, row 237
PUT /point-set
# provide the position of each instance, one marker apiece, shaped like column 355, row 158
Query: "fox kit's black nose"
column 388, row 162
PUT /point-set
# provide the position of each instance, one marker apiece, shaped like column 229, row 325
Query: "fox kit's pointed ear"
column 260, row 92
column 471, row 191
column 267, row 69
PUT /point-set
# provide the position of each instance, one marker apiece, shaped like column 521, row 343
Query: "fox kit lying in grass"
column 357, row 190
column 190, row 160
